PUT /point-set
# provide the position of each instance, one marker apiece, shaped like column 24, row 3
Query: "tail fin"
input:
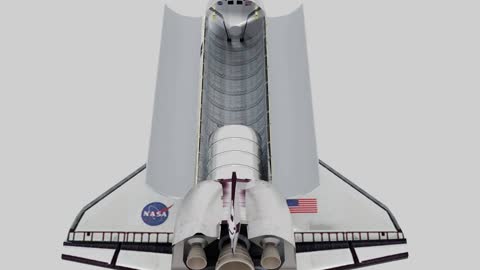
column 234, row 218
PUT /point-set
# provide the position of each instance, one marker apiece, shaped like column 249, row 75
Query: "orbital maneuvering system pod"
column 233, row 180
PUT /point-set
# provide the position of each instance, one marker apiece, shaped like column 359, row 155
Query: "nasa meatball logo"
column 155, row 213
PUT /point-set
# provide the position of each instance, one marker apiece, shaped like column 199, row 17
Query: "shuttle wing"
column 130, row 226
column 340, row 226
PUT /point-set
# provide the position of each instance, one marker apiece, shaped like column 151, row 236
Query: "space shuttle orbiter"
column 233, row 180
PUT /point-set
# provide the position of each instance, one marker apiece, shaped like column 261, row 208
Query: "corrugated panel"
column 234, row 90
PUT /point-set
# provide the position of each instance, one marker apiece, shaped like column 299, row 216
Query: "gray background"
column 395, row 86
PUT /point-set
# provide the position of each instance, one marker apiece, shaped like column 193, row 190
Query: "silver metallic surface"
column 234, row 77
column 234, row 148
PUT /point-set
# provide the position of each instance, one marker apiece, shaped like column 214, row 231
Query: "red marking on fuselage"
column 163, row 210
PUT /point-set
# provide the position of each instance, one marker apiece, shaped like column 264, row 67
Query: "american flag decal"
column 302, row 206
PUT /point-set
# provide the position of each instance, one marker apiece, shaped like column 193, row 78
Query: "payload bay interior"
column 234, row 83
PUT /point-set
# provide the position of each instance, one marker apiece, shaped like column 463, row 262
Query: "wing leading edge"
column 350, row 229
column 129, row 227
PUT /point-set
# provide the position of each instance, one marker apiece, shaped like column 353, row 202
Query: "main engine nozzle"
column 241, row 260
column 270, row 256
column 196, row 259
